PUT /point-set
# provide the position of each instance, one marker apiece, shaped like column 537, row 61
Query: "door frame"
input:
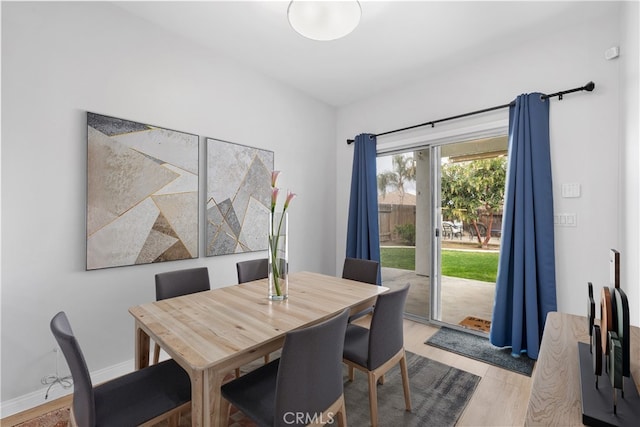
column 435, row 312
column 493, row 125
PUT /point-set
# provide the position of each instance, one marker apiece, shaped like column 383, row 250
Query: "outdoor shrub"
column 407, row 232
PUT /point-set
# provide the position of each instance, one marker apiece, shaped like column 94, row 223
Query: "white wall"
column 60, row 60
column 630, row 152
column 585, row 138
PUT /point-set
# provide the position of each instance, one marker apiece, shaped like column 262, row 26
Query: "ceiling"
column 396, row 42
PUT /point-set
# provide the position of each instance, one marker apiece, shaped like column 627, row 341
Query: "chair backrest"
column 84, row 409
column 182, row 282
column 362, row 270
column 385, row 333
column 252, row 270
column 310, row 372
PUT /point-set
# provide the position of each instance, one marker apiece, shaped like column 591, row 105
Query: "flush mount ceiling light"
column 324, row 20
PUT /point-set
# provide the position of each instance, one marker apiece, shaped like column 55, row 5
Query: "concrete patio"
column 460, row 297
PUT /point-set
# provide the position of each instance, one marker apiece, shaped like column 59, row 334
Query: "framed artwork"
column 142, row 193
column 238, row 197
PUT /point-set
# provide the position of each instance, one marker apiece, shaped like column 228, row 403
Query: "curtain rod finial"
column 589, row 86
column 349, row 141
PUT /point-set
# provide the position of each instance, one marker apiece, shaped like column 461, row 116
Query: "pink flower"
column 275, row 190
column 274, row 178
column 290, row 197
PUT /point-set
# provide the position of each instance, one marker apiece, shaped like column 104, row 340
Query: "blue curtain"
column 363, row 236
column 526, row 282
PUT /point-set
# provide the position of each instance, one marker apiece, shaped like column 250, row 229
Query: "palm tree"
column 404, row 169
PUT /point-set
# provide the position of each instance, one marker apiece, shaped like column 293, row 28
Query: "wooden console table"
column 555, row 390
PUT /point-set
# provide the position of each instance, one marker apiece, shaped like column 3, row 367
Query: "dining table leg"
column 141, row 348
column 213, row 381
column 199, row 410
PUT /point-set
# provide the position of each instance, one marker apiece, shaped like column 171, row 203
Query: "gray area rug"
column 439, row 394
column 479, row 348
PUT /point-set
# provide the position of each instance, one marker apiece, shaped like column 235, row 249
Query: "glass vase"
column 278, row 256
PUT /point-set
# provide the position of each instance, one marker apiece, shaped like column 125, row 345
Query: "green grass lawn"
column 474, row 265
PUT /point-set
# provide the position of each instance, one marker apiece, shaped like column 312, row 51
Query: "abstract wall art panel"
column 142, row 193
column 238, row 197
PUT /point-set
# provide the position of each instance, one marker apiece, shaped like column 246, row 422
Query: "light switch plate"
column 565, row 220
column 570, row 190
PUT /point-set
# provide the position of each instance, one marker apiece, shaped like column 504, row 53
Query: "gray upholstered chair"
column 182, row 282
column 362, row 270
column 177, row 283
column 252, row 270
column 380, row 347
column 142, row 397
column 302, row 386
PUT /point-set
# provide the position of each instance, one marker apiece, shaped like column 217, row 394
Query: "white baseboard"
column 36, row 398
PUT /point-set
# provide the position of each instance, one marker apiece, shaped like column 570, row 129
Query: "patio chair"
column 451, row 230
column 447, row 230
column 482, row 229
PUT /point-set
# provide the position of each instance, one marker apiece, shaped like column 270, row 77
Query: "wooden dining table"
column 213, row 332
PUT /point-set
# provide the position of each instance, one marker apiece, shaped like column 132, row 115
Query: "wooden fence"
column 390, row 216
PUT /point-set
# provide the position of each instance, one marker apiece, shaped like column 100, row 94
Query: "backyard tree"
column 474, row 187
column 404, row 170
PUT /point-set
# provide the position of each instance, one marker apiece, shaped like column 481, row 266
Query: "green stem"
column 275, row 239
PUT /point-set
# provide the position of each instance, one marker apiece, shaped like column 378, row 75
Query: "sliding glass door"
column 439, row 228
column 468, row 195
column 403, row 206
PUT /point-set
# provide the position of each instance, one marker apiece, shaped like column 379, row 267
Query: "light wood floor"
column 500, row 400
column 502, row 396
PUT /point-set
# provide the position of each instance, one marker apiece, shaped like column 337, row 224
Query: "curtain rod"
column 588, row 87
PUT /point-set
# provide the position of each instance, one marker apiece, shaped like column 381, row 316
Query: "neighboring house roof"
column 393, row 198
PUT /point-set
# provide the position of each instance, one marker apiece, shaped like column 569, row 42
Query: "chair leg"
column 156, row 354
column 225, row 408
column 351, row 376
column 72, row 418
column 373, row 399
column 335, row 411
column 237, row 372
column 342, row 417
column 266, row 359
column 405, row 382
